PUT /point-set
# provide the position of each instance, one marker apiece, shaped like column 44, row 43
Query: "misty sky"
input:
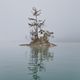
column 62, row 17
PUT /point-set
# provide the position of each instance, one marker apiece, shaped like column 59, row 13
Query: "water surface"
column 23, row 63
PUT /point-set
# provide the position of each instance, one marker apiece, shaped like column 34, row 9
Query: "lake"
column 24, row 63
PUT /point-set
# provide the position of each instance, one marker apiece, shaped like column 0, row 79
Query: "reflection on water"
column 38, row 57
column 40, row 63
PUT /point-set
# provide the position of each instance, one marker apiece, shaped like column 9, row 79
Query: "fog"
column 62, row 17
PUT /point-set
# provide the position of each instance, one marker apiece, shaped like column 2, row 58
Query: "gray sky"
column 62, row 17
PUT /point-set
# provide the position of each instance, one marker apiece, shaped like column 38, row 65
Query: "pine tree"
column 35, row 23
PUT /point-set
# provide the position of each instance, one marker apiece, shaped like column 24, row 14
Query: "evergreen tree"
column 35, row 23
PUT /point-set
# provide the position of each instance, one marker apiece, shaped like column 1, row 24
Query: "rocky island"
column 39, row 36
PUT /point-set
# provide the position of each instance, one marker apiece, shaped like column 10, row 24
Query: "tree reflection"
column 38, row 57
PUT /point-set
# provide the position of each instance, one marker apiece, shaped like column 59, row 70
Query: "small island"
column 39, row 36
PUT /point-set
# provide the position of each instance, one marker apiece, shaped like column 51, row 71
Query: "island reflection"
column 38, row 59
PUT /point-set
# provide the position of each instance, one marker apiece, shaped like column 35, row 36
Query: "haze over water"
column 24, row 63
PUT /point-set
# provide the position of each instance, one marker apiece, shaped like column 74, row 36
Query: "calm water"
column 23, row 63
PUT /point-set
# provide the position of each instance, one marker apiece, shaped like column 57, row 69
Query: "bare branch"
column 42, row 23
column 33, row 24
column 32, row 19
